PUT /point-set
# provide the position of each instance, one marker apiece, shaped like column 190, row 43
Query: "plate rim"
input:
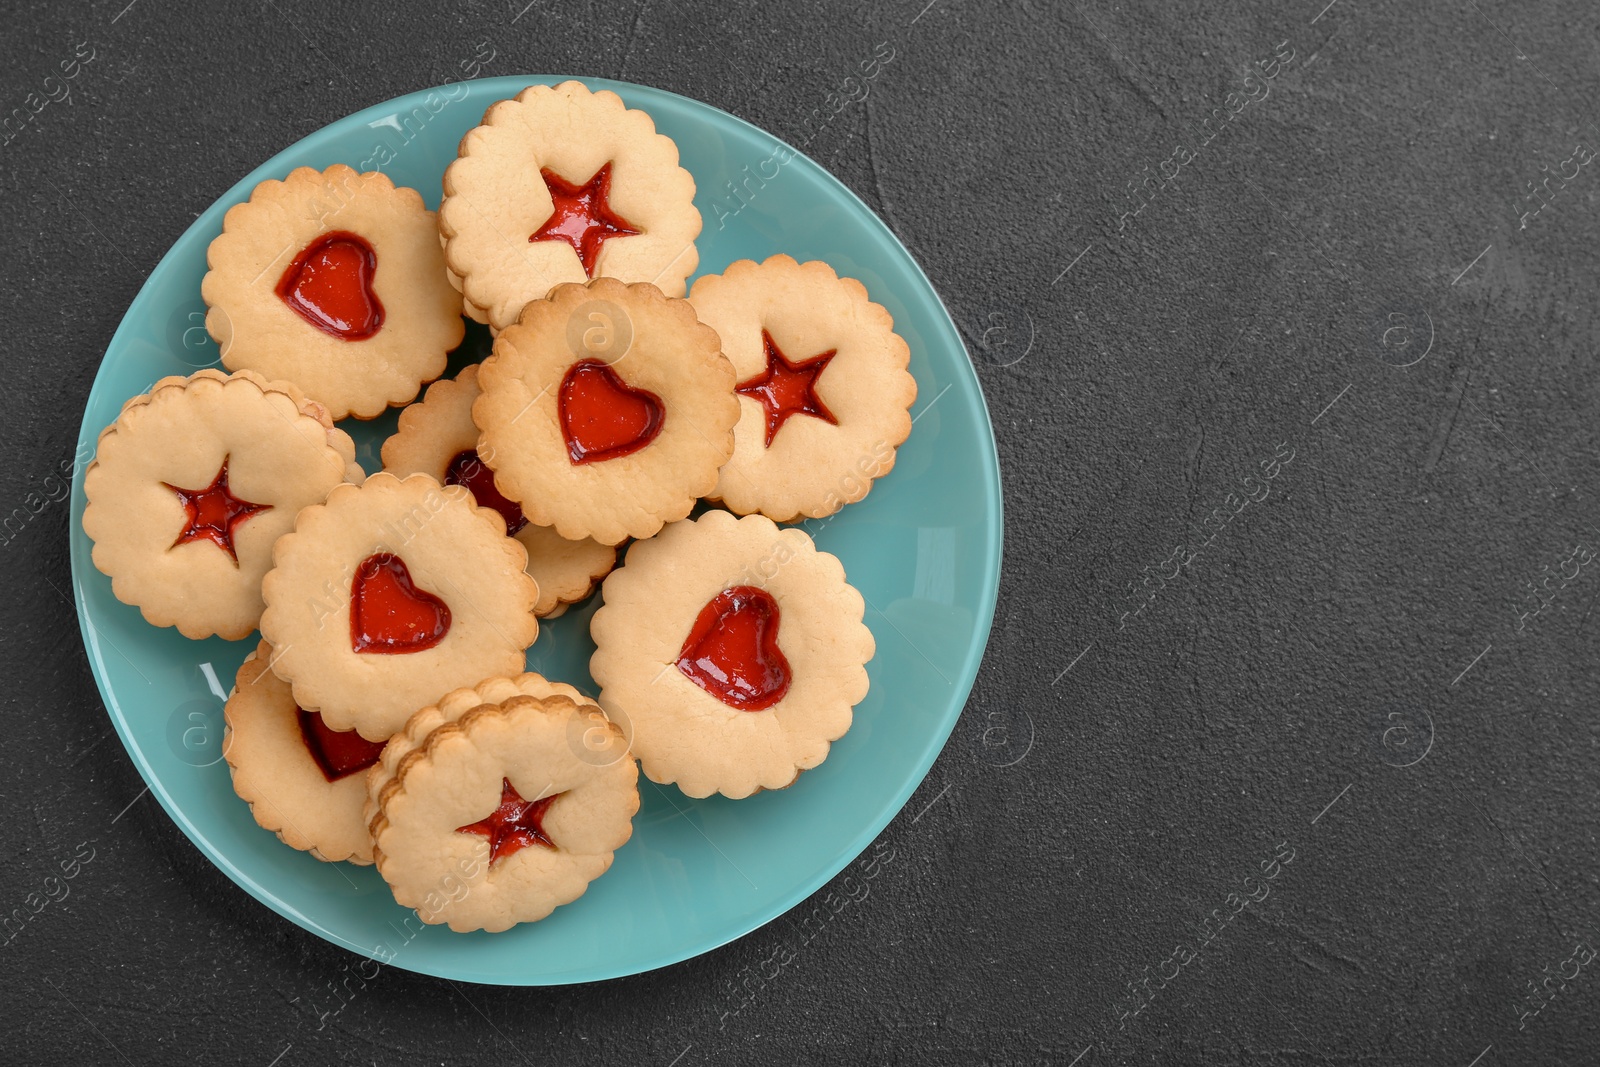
column 966, row 677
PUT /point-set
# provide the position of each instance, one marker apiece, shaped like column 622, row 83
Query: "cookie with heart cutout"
column 334, row 280
column 391, row 594
column 303, row 781
column 823, row 388
column 561, row 184
column 193, row 484
column 606, row 410
column 501, row 803
column 437, row 437
column 732, row 651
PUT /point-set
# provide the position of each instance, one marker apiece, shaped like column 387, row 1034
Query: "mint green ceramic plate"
column 923, row 548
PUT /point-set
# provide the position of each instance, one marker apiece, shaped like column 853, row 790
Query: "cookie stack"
column 385, row 715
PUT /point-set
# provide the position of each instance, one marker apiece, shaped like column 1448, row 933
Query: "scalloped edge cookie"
column 812, row 467
column 281, row 449
column 495, row 199
column 454, row 551
column 681, row 733
column 259, row 331
column 452, row 776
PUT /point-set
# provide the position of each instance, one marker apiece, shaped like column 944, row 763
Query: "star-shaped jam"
column 515, row 824
column 582, row 215
column 214, row 513
column 786, row 388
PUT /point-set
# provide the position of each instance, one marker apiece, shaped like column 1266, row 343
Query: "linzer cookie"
column 303, row 781
column 559, row 185
column 194, row 482
column 606, row 410
column 501, row 803
column 392, row 594
column 335, row 281
column 732, row 651
column 437, row 437
column 822, row 381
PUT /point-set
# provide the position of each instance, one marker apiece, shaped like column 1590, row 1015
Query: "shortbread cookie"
column 493, row 816
column 822, row 381
column 335, row 281
column 437, row 437
column 559, row 185
column 392, row 594
column 194, row 482
column 606, row 410
column 303, row 781
column 732, row 651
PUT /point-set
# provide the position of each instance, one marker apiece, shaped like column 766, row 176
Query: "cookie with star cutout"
column 606, row 410
column 437, row 437
column 391, row 594
column 561, row 184
column 732, row 652
column 193, row 484
column 303, row 781
column 334, row 280
column 501, row 803
column 823, row 388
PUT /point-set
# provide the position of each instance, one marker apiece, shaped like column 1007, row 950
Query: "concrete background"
column 1329, row 798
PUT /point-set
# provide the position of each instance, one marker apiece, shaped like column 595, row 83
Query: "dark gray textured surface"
column 1341, row 674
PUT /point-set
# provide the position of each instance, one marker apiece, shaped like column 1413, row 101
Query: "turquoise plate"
column 923, row 548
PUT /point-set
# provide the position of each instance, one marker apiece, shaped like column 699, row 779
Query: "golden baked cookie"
column 194, row 482
column 437, row 437
column 392, row 594
column 732, row 652
column 561, row 184
column 501, row 803
column 823, row 388
column 606, row 410
column 335, row 281
column 303, row 781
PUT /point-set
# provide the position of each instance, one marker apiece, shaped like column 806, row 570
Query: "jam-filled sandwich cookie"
column 303, row 781
column 501, row 804
column 437, row 437
column 732, row 651
column 392, row 594
column 606, row 410
column 558, row 185
column 334, row 280
column 822, row 385
column 194, row 482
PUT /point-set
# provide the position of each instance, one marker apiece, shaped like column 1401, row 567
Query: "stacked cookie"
column 385, row 716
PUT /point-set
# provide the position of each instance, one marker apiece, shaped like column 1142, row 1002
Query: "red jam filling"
column 515, row 824
column 329, row 284
column 338, row 753
column 470, row 471
column 389, row 614
column 786, row 389
column 732, row 650
column 214, row 513
column 582, row 215
column 602, row 417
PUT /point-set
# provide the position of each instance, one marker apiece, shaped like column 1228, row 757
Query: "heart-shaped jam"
column 515, row 824
column 785, row 389
column 470, row 471
column 337, row 753
column 732, row 650
column 329, row 284
column 214, row 513
column 581, row 215
column 389, row 614
column 602, row 417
